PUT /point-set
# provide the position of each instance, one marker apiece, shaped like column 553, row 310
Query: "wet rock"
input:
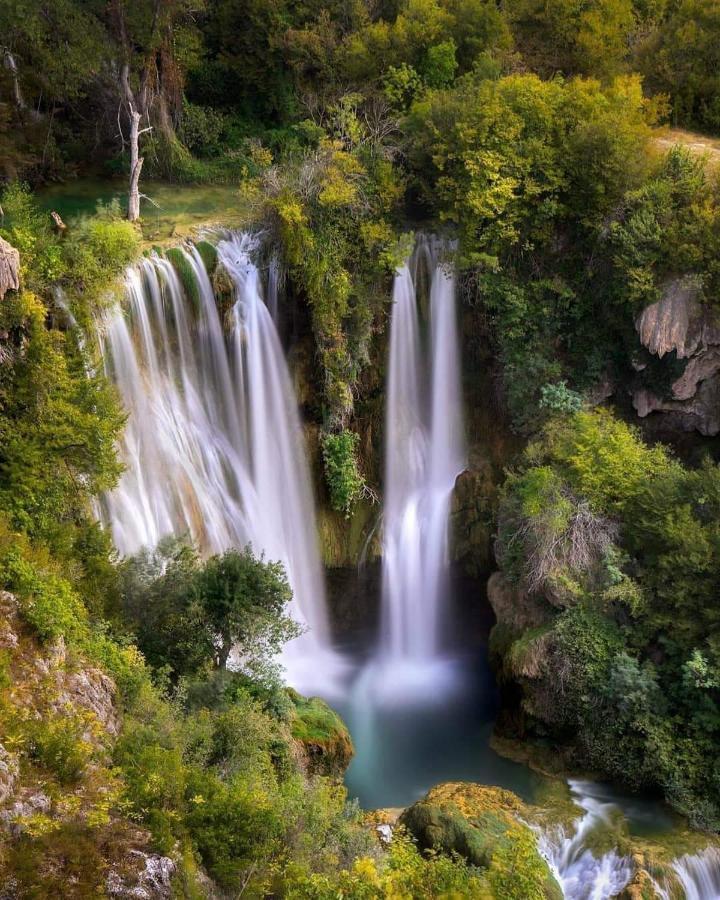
column 472, row 516
column 9, row 268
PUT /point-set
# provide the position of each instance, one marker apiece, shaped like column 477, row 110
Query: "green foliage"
column 57, row 429
column 666, row 227
column 590, row 38
column 342, row 471
column 637, row 642
column 331, row 211
column 406, row 873
column 680, row 57
column 188, row 615
column 507, row 158
column 59, row 746
column 558, row 398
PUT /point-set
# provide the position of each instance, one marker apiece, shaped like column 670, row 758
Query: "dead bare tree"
column 577, row 547
column 135, row 107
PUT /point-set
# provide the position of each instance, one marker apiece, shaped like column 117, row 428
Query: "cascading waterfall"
column 424, row 455
column 697, row 874
column 213, row 443
column 580, row 874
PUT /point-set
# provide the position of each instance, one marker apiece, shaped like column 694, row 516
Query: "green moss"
column 343, row 539
column 323, row 734
column 208, row 254
column 185, row 273
column 314, row 720
column 483, row 825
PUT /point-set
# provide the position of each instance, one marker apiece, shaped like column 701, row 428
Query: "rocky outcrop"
column 151, row 880
column 9, row 268
column 9, row 771
column 322, row 742
column 472, row 516
column 478, row 823
column 513, row 607
column 671, row 323
column 59, row 792
column 680, row 324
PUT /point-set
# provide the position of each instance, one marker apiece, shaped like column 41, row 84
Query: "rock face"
column 9, row 771
column 513, row 607
column 678, row 323
column 472, row 516
column 151, row 881
column 9, row 268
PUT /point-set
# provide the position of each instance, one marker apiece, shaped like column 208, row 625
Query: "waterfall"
column 580, row 874
column 213, row 442
column 697, row 874
column 425, row 453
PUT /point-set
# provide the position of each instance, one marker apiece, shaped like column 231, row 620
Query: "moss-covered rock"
column 321, row 737
column 209, row 255
column 344, row 541
column 485, row 825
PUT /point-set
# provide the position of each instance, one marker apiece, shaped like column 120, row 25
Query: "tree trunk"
column 136, row 163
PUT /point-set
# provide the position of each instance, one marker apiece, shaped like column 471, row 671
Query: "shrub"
column 58, row 744
column 342, row 472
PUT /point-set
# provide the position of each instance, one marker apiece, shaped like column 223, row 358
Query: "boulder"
column 9, row 268
column 479, row 823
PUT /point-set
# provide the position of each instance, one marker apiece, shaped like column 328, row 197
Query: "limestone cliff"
column 679, row 324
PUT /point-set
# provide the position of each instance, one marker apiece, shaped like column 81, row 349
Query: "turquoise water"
column 404, row 750
column 179, row 207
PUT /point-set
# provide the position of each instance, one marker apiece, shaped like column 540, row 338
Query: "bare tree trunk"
column 136, row 163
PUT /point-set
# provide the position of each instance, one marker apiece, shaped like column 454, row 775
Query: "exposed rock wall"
column 9, row 268
column 678, row 323
column 58, row 722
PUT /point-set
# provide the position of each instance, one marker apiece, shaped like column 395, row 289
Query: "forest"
column 359, row 462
